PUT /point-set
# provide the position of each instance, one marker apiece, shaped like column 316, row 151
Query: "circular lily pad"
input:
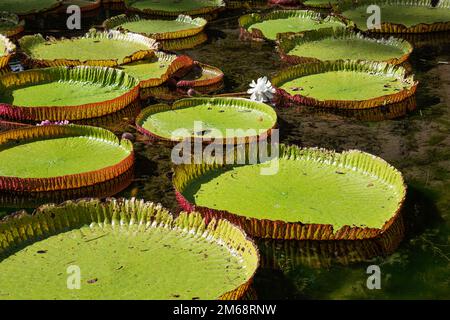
column 7, row 49
column 175, row 8
column 26, row 7
column 201, row 75
column 62, row 93
column 182, row 27
column 268, row 26
column 10, row 24
column 313, row 194
column 61, row 157
column 156, row 71
column 22, row 199
column 340, row 44
column 292, row 254
column 108, row 49
column 344, row 84
column 113, row 245
column 208, row 118
column 164, row 92
column 403, row 16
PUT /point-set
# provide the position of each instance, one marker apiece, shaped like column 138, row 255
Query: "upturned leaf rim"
column 22, row 228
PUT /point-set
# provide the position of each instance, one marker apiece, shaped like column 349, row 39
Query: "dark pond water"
column 418, row 144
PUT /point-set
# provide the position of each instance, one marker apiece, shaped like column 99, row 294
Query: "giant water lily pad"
column 154, row 72
column 108, row 49
column 208, row 118
column 26, row 7
column 61, row 157
column 382, row 113
column 182, row 27
column 174, row 8
column 344, row 84
column 84, row 5
column 7, row 49
column 10, row 24
column 268, row 26
column 305, row 194
column 125, row 249
column 402, row 16
column 24, row 199
column 339, row 44
column 63, row 93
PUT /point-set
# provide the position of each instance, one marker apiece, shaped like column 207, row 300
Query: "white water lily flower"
column 261, row 90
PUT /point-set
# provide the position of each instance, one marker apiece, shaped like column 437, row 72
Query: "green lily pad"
column 315, row 194
column 25, row 7
column 158, row 70
column 285, row 21
column 114, row 244
column 10, row 24
column 402, row 16
column 182, row 27
column 214, row 114
column 170, row 8
column 57, row 157
column 340, row 44
column 345, row 84
column 95, row 48
column 54, row 93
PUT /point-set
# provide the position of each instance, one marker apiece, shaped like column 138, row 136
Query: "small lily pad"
column 27, row 7
column 7, row 49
